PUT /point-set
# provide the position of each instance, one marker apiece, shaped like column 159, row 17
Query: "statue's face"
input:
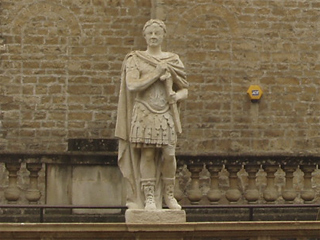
column 154, row 35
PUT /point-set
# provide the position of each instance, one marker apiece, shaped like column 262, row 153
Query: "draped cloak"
column 128, row 155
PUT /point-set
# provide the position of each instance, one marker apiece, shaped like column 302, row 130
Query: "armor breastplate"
column 154, row 97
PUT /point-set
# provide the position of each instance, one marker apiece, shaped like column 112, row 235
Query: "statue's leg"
column 169, row 163
column 169, row 166
column 148, row 188
column 169, row 198
column 148, row 177
column 147, row 163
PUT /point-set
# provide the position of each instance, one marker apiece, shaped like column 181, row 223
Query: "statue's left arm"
column 179, row 79
column 181, row 94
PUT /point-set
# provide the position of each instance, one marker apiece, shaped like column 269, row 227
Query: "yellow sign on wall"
column 255, row 93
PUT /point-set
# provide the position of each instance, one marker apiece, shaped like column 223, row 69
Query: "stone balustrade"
column 249, row 179
column 39, row 178
column 201, row 180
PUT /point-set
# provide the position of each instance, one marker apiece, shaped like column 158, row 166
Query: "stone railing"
column 50, row 178
column 248, row 179
column 59, row 179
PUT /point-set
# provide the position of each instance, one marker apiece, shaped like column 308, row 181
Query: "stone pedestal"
column 155, row 216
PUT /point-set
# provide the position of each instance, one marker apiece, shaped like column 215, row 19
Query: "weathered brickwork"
column 61, row 61
column 60, row 68
column 229, row 45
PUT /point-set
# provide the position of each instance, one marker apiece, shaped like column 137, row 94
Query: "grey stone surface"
column 96, row 185
column 85, row 185
column 155, row 216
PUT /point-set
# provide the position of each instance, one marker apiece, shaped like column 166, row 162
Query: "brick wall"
column 60, row 68
column 61, row 60
column 229, row 45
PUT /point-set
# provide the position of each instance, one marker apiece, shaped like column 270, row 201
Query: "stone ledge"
column 97, row 231
column 155, row 216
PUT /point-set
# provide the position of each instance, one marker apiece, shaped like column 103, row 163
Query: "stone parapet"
column 63, row 178
column 186, row 231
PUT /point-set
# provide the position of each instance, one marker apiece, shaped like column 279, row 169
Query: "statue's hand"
column 181, row 94
column 165, row 76
column 161, row 69
column 172, row 98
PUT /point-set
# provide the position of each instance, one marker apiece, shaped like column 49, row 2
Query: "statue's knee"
column 169, row 153
column 169, row 157
column 148, row 154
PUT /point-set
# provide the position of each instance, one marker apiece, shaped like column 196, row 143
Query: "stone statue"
column 153, row 83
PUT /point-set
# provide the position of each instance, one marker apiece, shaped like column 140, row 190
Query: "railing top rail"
column 249, row 206
column 110, row 158
column 62, row 206
column 183, row 154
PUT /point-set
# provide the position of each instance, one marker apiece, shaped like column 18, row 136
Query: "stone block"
column 58, row 184
column 97, row 186
column 155, row 216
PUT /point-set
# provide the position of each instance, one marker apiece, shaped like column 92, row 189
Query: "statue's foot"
column 150, row 206
column 169, row 198
column 172, row 203
column 150, row 203
column 148, row 189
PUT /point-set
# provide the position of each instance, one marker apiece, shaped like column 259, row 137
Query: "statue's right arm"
column 137, row 83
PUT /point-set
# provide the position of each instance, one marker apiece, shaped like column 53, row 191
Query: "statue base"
column 155, row 216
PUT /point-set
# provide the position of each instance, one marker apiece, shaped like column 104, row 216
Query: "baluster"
column 307, row 193
column 194, row 193
column 252, row 192
column 214, row 194
column 12, row 193
column 33, row 193
column 233, row 194
column 270, row 194
column 288, row 193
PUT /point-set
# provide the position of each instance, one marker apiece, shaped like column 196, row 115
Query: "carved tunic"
column 152, row 122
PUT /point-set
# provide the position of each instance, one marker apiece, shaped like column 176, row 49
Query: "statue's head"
column 155, row 21
column 154, row 31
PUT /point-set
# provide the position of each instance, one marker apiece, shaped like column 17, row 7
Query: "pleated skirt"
column 150, row 128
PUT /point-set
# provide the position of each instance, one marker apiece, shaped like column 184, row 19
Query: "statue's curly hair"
column 157, row 21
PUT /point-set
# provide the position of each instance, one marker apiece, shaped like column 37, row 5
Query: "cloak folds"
column 128, row 155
